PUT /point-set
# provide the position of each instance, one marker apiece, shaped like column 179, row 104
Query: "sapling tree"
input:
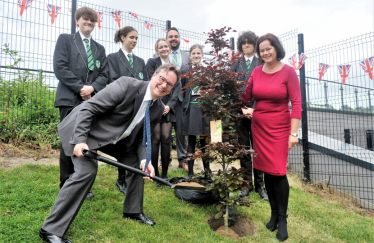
column 219, row 96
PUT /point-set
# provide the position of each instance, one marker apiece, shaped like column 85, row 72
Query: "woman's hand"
column 167, row 109
column 248, row 111
column 292, row 141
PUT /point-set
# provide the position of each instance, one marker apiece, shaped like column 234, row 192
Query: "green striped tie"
column 130, row 60
column 89, row 55
column 249, row 64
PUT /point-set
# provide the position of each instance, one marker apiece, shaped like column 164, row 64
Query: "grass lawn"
column 27, row 194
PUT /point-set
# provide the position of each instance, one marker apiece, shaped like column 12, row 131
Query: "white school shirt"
column 84, row 43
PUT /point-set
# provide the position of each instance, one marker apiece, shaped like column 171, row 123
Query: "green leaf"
column 231, row 195
column 218, row 215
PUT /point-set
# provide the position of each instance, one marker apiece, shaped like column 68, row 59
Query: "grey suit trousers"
column 74, row 191
column 181, row 140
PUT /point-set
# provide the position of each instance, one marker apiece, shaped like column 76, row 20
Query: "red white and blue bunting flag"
column 23, row 5
column 344, row 71
column 148, row 25
column 292, row 60
column 202, row 46
column 132, row 14
column 322, row 70
column 302, row 59
column 368, row 65
column 53, row 11
column 117, row 17
column 229, row 53
column 185, row 40
column 164, row 31
column 99, row 19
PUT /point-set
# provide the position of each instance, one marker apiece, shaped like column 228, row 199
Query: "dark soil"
column 242, row 227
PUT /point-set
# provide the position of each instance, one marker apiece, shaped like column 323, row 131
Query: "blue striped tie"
column 147, row 135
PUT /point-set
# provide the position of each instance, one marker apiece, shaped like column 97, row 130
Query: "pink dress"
column 271, row 120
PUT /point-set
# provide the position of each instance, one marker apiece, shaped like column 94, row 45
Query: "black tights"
column 191, row 149
column 278, row 192
column 161, row 134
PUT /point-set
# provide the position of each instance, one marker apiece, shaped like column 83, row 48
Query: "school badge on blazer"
column 141, row 75
column 97, row 63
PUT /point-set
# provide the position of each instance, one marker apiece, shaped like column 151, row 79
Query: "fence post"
column 304, row 115
column 168, row 24
column 341, row 89
column 356, row 91
column 369, row 102
column 232, row 44
column 326, row 99
column 307, row 83
column 73, row 9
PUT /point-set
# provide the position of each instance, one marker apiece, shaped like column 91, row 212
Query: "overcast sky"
column 321, row 21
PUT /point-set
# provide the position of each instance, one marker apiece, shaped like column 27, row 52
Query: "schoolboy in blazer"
column 124, row 63
column 246, row 43
column 113, row 123
column 81, row 66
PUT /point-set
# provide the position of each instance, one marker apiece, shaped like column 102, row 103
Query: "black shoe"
column 245, row 193
column 121, row 185
column 140, row 217
column 273, row 223
column 263, row 194
column 90, row 195
column 158, row 184
column 49, row 237
column 282, row 234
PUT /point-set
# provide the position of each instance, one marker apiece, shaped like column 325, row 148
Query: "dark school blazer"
column 119, row 66
column 70, row 67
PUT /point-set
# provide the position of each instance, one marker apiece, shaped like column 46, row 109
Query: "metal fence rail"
column 339, row 122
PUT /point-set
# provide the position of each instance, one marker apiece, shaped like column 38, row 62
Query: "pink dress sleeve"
column 247, row 95
column 294, row 93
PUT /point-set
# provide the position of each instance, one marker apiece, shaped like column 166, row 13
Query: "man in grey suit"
column 81, row 66
column 181, row 59
column 112, row 122
column 246, row 44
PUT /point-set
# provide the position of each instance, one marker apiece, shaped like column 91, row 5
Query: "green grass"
column 27, row 194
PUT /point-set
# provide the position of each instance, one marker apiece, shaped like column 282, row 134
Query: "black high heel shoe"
column 282, row 234
column 273, row 223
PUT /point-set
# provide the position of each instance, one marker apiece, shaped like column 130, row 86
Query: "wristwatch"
column 294, row 134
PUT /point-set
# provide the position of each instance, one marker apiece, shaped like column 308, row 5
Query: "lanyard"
column 176, row 61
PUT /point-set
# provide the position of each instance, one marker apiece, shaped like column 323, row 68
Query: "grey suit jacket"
column 102, row 119
column 70, row 67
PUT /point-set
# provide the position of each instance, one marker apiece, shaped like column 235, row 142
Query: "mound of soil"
column 242, row 227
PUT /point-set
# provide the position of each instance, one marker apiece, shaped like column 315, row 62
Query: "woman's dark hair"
column 123, row 32
column 244, row 37
column 86, row 12
column 275, row 42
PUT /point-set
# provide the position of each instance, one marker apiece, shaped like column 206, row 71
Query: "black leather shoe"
column 158, row 184
column 90, row 195
column 121, row 185
column 140, row 217
column 263, row 194
column 245, row 192
column 49, row 237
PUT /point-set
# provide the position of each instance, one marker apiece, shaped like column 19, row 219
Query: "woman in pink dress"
column 274, row 127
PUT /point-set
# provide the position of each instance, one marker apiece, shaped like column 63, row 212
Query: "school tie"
column 89, row 55
column 147, row 135
column 175, row 55
column 130, row 60
column 249, row 64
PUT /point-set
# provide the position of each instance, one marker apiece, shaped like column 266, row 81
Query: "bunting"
column 185, row 40
column 322, row 70
column 53, row 11
column 367, row 65
column 23, row 5
column 99, row 19
column 344, row 71
column 292, row 61
column 148, row 25
column 117, row 17
column 132, row 14
column 302, row 59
